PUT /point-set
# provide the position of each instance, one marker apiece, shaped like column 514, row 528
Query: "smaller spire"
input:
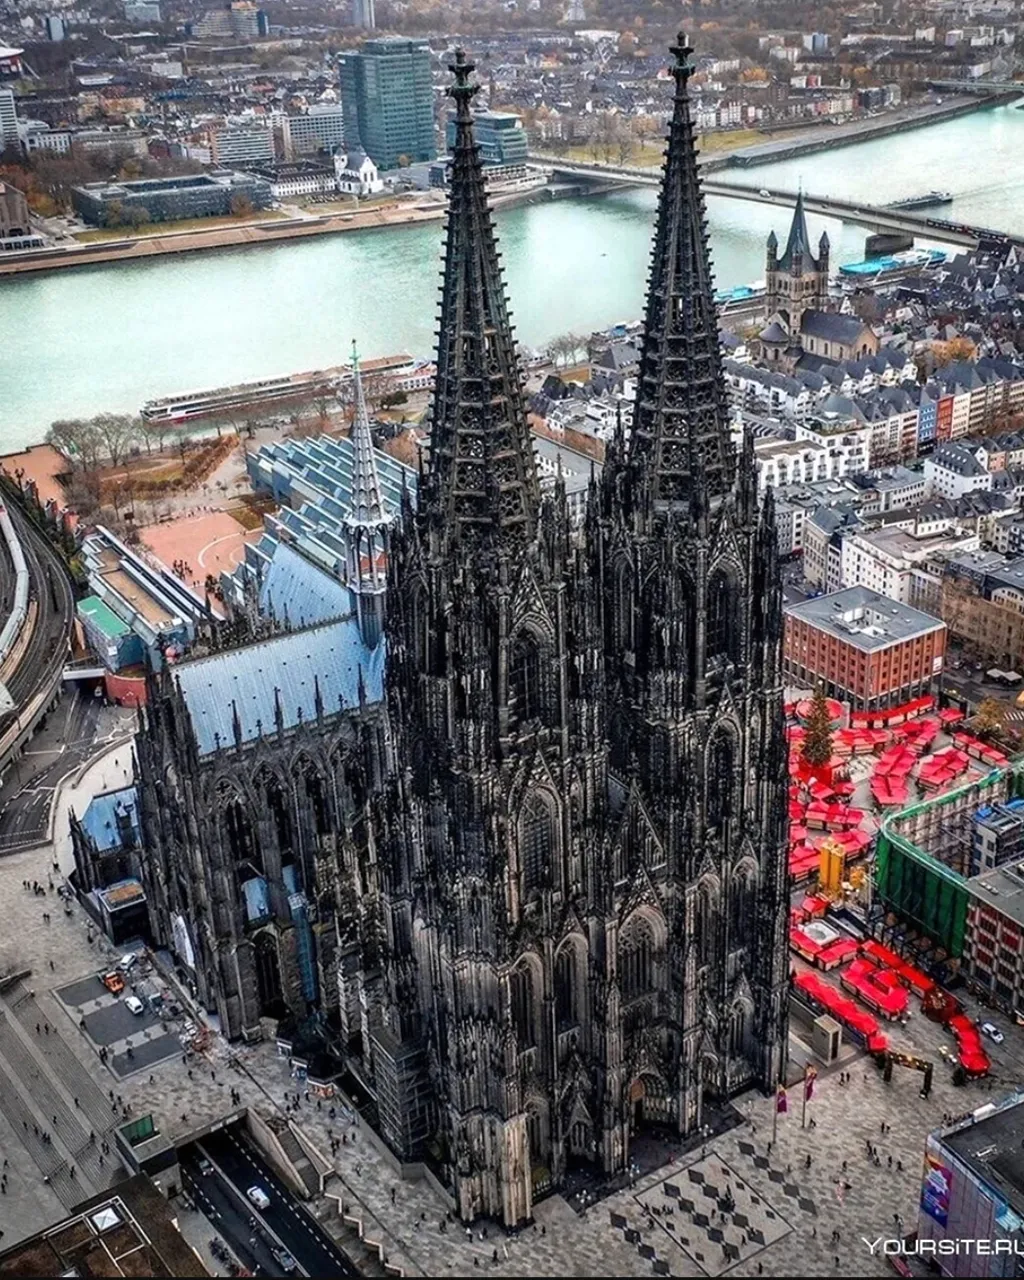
column 367, row 505
column 798, row 246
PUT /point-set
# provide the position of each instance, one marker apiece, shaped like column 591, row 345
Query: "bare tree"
column 78, row 440
column 153, row 431
column 117, row 433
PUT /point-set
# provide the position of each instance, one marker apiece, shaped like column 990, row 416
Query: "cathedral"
column 510, row 833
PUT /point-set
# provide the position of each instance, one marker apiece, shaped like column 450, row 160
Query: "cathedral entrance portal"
column 648, row 1102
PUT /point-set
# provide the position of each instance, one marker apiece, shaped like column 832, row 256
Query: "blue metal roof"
column 244, row 681
column 295, row 588
column 100, row 818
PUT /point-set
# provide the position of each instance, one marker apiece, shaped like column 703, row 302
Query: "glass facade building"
column 387, row 95
column 499, row 134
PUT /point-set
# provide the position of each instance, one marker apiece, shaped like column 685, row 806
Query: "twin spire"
column 680, row 438
column 482, row 478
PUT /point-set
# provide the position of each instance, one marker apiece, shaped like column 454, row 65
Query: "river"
column 78, row 341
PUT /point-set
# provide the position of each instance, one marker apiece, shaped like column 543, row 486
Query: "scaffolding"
column 923, row 862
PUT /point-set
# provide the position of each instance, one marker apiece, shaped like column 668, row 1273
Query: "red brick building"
column 863, row 647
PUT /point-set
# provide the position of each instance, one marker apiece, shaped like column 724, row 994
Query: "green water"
column 78, row 341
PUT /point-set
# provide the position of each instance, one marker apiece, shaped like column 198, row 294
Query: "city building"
column 952, row 470
column 387, row 95
column 289, row 178
column 106, row 849
column 972, row 1192
column 241, row 145
column 363, row 14
column 998, row 836
column 539, row 896
column 862, row 648
column 501, row 136
column 10, row 62
column 886, row 559
column 9, row 136
column 54, row 27
column 14, row 216
column 318, row 129
column 782, row 462
column 238, row 20
column 142, row 11
column 130, row 1230
column 197, row 195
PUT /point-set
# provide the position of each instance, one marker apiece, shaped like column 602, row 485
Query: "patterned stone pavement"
column 620, row 1235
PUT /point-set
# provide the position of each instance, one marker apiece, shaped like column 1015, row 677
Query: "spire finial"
column 462, row 91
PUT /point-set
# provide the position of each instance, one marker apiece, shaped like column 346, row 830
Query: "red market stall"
column 973, row 1058
column 869, row 985
column 826, row 999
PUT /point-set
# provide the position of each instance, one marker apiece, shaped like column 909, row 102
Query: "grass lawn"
column 164, row 228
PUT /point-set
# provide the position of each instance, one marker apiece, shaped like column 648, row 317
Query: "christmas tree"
column 817, row 748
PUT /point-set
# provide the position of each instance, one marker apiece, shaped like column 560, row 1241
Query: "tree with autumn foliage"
column 817, row 747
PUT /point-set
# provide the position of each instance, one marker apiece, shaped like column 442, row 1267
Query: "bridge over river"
column 874, row 217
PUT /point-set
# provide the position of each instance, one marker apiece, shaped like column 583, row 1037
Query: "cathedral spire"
column 681, row 409
column 482, row 477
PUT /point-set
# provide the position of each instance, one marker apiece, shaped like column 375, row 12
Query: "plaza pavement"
column 793, row 1209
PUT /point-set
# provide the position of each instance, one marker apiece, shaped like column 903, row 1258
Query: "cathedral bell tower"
column 484, row 829
column 693, row 632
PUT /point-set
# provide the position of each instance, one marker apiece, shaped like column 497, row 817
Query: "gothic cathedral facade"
column 546, row 871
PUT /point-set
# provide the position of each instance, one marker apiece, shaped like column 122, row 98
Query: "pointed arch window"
column 567, row 1005
column 636, row 960
column 537, row 841
column 521, row 997
column 741, row 909
column 706, row 923
column 524, row 684
column 721, row 782
column 723, row 630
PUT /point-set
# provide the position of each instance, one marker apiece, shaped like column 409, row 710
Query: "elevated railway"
column 37, row 646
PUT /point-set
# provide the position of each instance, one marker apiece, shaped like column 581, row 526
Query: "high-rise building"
column 8, row 120
column 529, row 882
column 142, row 11
column 363, row 14
column 54, row 25
column 238, row 19
column 320, row 128
column 238, row 145
column 499, row 134
column 388, row 99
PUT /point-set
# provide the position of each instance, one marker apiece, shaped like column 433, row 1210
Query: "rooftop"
column 991, row 1145
column 102, row 616
column 243, row 682
column 864, row 618
column 127, row 1232
column 100, row 820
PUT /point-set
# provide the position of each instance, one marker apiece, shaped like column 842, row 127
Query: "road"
column 228, row 1218
column 237, row 1166
column 74, row 730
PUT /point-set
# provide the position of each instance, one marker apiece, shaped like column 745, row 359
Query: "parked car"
column 284, row 1260
column 259, row 1197
column 134, row 1005
column 992, row 1031
column 113, row 982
